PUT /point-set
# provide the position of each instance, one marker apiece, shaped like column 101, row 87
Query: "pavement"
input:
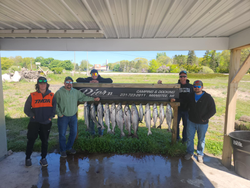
column 116, row 171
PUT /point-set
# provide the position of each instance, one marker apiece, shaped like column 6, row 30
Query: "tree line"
column 211, row 62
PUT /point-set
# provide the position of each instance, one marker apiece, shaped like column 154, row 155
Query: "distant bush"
column 205, row 76
column 57, row 70
column 206, row 69
column 163, row 69
column 15, row 68
column 175, row 68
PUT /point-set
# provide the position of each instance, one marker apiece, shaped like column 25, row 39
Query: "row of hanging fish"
column 129, row 117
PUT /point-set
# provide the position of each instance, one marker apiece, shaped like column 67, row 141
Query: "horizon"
column 95, row 57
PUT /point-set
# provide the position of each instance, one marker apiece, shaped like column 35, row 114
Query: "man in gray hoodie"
column 67, row 98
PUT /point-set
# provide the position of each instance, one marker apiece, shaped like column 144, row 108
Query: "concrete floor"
column 103, row 170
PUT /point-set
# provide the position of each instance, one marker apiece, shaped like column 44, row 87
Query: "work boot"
column 200, row 158
column 63, row 154
column 188, row 156
column 44, row 162
column 28, row 162
column 72, row 151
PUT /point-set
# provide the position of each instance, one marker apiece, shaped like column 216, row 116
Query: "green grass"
column 15, row 95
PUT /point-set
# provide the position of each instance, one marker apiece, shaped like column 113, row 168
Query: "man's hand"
column 172, row 100
column 159, row 82
column 61, row 116
column 49, row 119
column 94, row 81
column 97, row 99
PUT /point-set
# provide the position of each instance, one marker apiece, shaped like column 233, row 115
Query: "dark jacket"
column 184, row 90
column 41, row 112
column 99, row 78
column 200, row 112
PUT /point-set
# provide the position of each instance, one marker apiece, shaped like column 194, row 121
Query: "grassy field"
column 15, row 95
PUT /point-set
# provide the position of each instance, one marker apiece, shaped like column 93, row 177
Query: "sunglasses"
column 197, row 86
column 183, row 76
column 42, row 81
column 68, row 82
column 94, row 74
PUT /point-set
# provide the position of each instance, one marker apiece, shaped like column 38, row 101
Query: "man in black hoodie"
column 201, row 108
column 185, row 89
column 95, row 78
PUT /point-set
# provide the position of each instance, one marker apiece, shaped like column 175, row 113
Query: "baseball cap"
column 93, row 71
column 183, row 72
column 198, row 82
column 68, row 78
column 41, row 79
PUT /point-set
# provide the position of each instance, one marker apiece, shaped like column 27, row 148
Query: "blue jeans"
column 184, row 116
column 201, row 132
column 63, row 123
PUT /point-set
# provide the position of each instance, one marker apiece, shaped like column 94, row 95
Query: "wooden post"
column 174, row 129
column 230, row 107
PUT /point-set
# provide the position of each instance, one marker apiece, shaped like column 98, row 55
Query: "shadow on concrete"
column 103, row 170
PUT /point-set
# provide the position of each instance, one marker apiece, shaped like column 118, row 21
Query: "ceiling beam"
column 64, row 21
column 239, row 39
column 21, row 15
column 72, row 12
column 8, row 25
column 112, row 17
column 93, row 16
column 129, row 18
column 162, row 44
column 19, row 23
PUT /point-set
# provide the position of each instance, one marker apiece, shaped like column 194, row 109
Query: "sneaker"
column 188, row 156
column 44, row 162
column 28, row 162
column 63, row 154
column 72, row 151
column 200, row 158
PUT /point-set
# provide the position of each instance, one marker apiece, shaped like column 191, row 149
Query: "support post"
column 230, row 107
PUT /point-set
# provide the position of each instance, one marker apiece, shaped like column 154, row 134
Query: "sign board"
column 130, row 92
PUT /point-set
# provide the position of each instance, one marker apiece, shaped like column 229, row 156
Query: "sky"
column 96, row 57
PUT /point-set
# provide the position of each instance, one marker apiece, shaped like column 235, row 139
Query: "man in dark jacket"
column 95, row 78
column 185, row 89
column 201, row 108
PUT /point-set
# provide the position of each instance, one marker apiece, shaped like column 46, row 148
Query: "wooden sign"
column 130, row 92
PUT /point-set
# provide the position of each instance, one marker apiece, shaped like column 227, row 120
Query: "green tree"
column 84, row 64
column 154, row 65
column 76, row 67
column 116, row 68
column 191, row 60
column 6, row 63
column 68, row 65
column 180, row 59
column 47, row 62
column 164, row 60
column 54, row 64
column 28, row 62
column 160, row 54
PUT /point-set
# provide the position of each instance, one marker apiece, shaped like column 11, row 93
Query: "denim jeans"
column 92, row 125
column 201, row 132
column 63, row 123
column 184, row 116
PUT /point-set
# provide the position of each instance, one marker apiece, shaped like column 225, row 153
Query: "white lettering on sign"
column 237, row 143
column 91, row 92
column 144, row 91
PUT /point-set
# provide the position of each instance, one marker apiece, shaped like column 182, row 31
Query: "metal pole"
column 87, row 65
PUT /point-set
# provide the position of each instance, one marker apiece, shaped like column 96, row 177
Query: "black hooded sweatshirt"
column 99, row 78
column 184, row 90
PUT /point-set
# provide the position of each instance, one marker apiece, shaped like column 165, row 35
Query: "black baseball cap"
column 94, row 71
column 68, row 78
column 183, row 72
column 41, row 79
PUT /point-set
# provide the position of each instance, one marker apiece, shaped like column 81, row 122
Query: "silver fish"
column 127, row 118
column 155, row 115
column 112, row 117
column 86, row 114
column 119, row 118
column 141, row 113
column 134, row 119
column 93, row 115
column 169, row 116
column 100, row 115
column 148, row 118
column 161, row 115
column 107, row 117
